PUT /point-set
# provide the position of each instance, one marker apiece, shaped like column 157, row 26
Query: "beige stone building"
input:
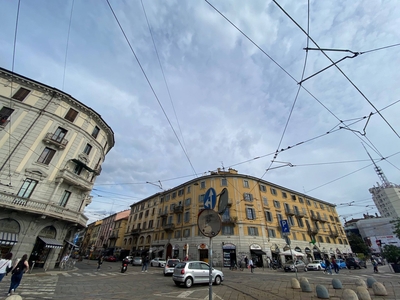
column 52, row 147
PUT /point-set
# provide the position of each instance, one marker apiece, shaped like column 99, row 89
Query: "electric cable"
column 66, row 48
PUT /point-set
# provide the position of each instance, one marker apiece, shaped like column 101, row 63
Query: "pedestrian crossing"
column 33, row 288
column 103, row 274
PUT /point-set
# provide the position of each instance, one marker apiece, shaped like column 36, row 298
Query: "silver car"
column 170, row 266
column 194, row 272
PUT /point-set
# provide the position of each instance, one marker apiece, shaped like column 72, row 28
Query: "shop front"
column 257, row 255
column 229, row 254
column 175, row 251
column 203, row 252
column 308, row 254
column 45, row 243
column 9, row 230
column 317, row 253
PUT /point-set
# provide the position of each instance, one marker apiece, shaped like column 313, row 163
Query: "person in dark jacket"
column 17, row 272
column 100, row 261
column 328, row 269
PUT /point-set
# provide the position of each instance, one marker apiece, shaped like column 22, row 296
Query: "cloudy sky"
column 192, row 86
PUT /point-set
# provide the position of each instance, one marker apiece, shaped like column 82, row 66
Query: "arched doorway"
column 45, row 243
column 169, row 251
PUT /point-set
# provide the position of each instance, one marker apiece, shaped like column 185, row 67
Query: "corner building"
column 51, row 150
column 165, row 224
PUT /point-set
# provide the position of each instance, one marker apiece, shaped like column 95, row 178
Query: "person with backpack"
column 328, row 269
column 5, row 265
column 375, row 264
column 17, row 272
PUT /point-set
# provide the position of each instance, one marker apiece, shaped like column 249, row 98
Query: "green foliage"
column 358, row 245
column 391, row 253
column 396, row 225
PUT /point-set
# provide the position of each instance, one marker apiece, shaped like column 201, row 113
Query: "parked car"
column 293, row 266
column 355, row 263
column 341, row 263
column 137, row 261
column 315, row 265
column 195, row 272
column 110, row 258
column 170, row 266
column 158, row 262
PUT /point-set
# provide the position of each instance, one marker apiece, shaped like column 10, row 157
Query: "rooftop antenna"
column 378, row 171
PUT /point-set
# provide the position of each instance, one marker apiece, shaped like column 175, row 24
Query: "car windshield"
column 290, row 262
column 173, row 261
column 180, row 265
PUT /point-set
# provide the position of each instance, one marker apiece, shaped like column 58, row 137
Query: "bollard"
column 295, row 283
column 379, row 289
column 322, row 291
column 363, row 293
column 360, row 282
column 370, row 281
column 305, row 285
column 349, row 295
column 337, row 284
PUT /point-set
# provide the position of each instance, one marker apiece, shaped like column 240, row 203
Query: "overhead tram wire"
column 162, row 71
column 339, row 69
column 151, row 86
column 66, row 48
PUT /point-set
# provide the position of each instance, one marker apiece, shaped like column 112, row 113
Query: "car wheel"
column 217, row 280
column 177, row 283
column 188, row 282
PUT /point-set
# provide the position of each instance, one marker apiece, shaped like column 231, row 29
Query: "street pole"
column 210, row 271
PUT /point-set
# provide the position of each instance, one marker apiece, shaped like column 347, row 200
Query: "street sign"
column 285, row 226
column 210, row 199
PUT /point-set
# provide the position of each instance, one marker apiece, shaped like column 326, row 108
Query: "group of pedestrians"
column 329, row 265
column 17, row 270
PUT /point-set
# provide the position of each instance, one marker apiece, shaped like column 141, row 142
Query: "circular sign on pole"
column 223, row 201
column 209, row 223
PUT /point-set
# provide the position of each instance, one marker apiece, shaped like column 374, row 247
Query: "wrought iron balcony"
column 229, row 220
column 334, row 234
column 136, row 232
column 300, row 214
column 312, row 230
column 289, row 211
column 163, row 214
column 178, row 209
column 55, row 140
column 169, row 227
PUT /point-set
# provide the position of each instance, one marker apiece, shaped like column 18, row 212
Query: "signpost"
column 285, row 226
column 210, row 199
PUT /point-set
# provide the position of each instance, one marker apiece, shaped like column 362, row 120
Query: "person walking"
column 246, row 261
column 375, row 264
column 100, row 261
column 251, row 265
column 269, row 262
column 5, row 265
column 328, row 269
column 335, row 265
column 145, row 263
column 17, row 272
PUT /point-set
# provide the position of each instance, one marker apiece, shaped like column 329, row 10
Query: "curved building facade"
column 51, row 150
column 166, row 224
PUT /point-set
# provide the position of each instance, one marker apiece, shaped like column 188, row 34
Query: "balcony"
column 323, row 219
column 314, row 217
column 168, row 227
column 289, row 211
column 312, row 230
column 55, row 140
column 136, row 232
column 300, row 214
column 113, row 237
column 334, row 234
column 41, row 208
column 229, row 220
column 65, row 175
column 178, row 209
column 163, row 214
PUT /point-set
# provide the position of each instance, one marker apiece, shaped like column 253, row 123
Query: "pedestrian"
column 246, row 261
column 328, row 269
column 100, row 261
column 145, row 262
column 5, row 265
column 375, row 264
column 251, row 265
column 269, row 262
column 335, row 265
column 17, row 272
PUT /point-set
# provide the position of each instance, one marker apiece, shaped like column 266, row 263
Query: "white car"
column 158, row 262
column 315, row 265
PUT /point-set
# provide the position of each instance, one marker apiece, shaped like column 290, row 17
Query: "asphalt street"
column 85, row 282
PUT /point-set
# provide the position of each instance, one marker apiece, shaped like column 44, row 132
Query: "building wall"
column 251, row 222
column 387, row 200
column 48, row 164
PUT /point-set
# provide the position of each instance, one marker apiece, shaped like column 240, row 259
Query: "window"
column 304, row 237
column 300, row 222
column 252, row 231
column 172, row 207
column 271, row 233
column 59, row 135
column 87, row 149
column 308, row 202
column 180, row 192
column 167, row 197
column 248, row 197
column 330, row 217
column 146, row 213
column 250, row 213
column 187, row 216
column 277, row 204
column 268, row 216
column 64, row 198
column 187, row 202
column 186, row 233
column 151, row 224
column 169, row 220
column 95, row 132
column 173, row 195
column 71, row 115
column 140, row 215
column 320, row 239
column 21, row 94
column 177, row 234
column 46, row 156
column 179, row 218
column 224, row 182
column 246, row 183
column 201, row 199
column 144, row 225
column 273, row 191
column 301, row 200
column 189, row 188
column 263, row 188
column 5, row 112
column 227, row 230
column 226, row 215
column 291, row 220
column 265, row 201
column 78, row 169
column 315, row 204
column 284, row 195
column 321, row 206
column 202, row 184
column 293, row 197
column 27, row 188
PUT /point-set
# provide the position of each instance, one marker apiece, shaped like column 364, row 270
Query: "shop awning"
column 258, row 252
column 51, row 243
column 8, row 239
column 72, row 244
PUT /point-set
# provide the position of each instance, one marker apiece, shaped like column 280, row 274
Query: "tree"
column 357, row 244
column 396, row 225
column 391, row 253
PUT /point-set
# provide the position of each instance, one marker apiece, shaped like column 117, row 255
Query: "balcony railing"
column 163, row 214
column 168, row 227
column 76, row 180
column 289, row 211
column 51, row 138
column 313, row 230
column 299, row 214
column 334, row 234
column 136, row 232
column 229, row 220
column 41, row 208
column 178, row 209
